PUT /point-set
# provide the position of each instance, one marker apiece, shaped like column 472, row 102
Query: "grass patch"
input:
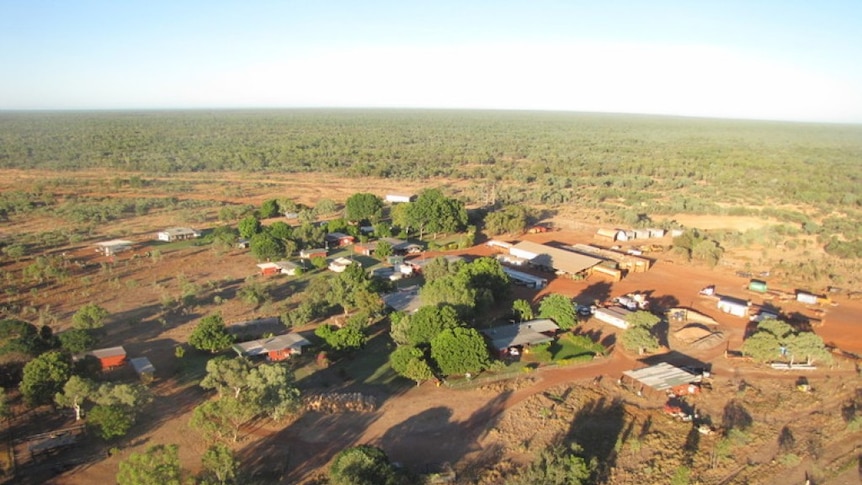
column 566, row 349
column 370, row 365
column 789, row 459
column 193, row 367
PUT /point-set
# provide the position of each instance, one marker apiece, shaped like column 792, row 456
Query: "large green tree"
column 268, row 209
column 523, row 309
column 78, row 341
column 427, row 322
column 227, row 375
column 265, row 247
column 363, row 206
column 89, row 317
column 249, row 226
column 643, row 319
column 364, row 465
column 433, row 212
column 272, row 390
column 222, row 418
column 44, row 377
column 558, row 465
column 512, row 220
column 75, row 392
column 158, row 465
column 348, row 337
column 211, row 335
column 460, row 350
column 219, row 465
column 640, row 339
column 559, row 309
column 410, row 362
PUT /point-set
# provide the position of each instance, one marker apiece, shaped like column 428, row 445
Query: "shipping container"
column 757, row 285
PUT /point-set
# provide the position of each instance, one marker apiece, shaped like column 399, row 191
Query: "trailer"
column 758, row 286
column 807, row 298
column 733, row 306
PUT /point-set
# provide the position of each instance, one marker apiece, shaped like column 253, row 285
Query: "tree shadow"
column 598, row 291
column 416, row 442
column 736, row 416
column 663, row 303
column 597, row 427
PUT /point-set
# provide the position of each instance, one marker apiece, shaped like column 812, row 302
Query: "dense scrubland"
column 634, row 170
column 510, row 169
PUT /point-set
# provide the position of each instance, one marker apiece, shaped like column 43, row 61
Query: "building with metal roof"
column 662, row 376
column 542, row 255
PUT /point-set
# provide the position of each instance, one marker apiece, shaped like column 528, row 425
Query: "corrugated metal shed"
column 142, row 366
column 556, row 258
column 526, row 333
column 662, row 376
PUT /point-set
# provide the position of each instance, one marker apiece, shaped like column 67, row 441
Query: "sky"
column 776, row 60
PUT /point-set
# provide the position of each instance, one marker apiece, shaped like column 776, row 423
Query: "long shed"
column 276, row 348
column 733, row 306
column 550, row 257
column 143, row 367
column 110, row 357
column 615, row 316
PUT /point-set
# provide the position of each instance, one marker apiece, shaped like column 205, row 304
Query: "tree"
column 450, row 290
column 362, row 206
column 640, row 339
column 227, row 375
column 219, row 464
column 460, row 350
column 558, row 466
column 211, row 335
column 523, row 309
column 559, row 309
column 383, row 250
column 762, row 347
column 222, row 418
column 264, row 247
column 363, row 465
column 428, row 322
column 280, row 230
column 75, row 392
column 808, row 346
column 159, row 465
column 324, row 207
column 89, row 317
column 643, row 319
column 433, row 212
column 249, row 226
column 44, row 377
column 410, row 362
column 224, row 237
column 129, row 396
column 272, row 390
column 512, row 219
column 345, row 288
column 707, row 251
column 5, row 410
column 77, row 341
column 111, row 421
column 349, row 337
column 439, row 267
column 268, row 209
column 17, row 336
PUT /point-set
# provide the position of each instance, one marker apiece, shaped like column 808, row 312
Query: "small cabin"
column 110, row 358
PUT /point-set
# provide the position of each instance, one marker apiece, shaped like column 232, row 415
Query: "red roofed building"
column 110, row 357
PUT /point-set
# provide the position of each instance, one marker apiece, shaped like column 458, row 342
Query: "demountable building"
column 276, row 348
column 110, row 357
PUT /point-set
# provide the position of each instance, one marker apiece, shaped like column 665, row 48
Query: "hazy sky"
column 788, row 60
